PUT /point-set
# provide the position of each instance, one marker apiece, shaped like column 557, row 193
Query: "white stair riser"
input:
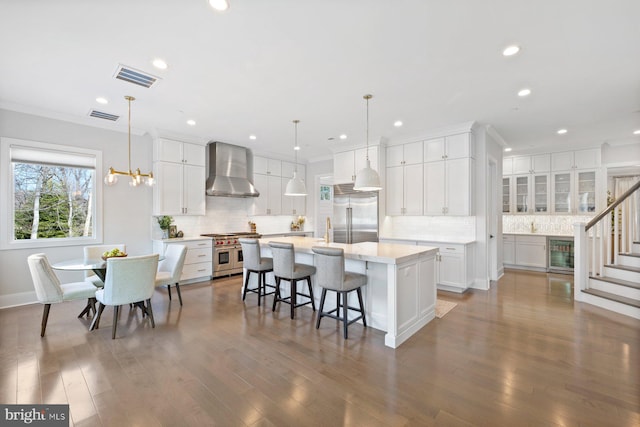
column 616, row 273
column 614, row 306
column 613, row 288
column 629, row 261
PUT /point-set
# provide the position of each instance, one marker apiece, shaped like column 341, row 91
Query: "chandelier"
column 137, row 178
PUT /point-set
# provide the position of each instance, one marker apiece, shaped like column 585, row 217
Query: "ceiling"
column 262, row 64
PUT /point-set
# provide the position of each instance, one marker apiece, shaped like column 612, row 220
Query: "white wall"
column 126, row 211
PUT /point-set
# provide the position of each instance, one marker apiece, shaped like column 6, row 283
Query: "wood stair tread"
column 623, row 267
column 631, row 254
column 620, row 282
column 613, row 297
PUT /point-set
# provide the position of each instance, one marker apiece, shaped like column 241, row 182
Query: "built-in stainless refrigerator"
column 355, row 215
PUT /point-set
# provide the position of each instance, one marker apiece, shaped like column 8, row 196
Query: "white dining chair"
column 49, row 290
column 129, row 280
column 94, row 253
column 170, row 268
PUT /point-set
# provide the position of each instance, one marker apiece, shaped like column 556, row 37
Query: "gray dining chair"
column 285, row 268
column 129, row 280
column 170, row 268
column 94, row 254
column 254, row 262
column 331, row 276
column 49, row 290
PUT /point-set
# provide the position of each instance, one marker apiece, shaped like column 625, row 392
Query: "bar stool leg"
column 259, row 287
column 294, row 293
column 322, row 297
column 313, row 302
column 345, row 313
column 364, row 320
column 276, row 298
column 246, row 284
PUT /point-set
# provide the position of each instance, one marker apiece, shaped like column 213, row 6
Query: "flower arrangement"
column 164, row 221
column 298, row 223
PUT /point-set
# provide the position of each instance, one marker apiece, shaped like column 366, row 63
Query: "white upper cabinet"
column 180, row 178
column 346, row 164
column 266, row 166
column 531, row 164
column 581, row 159
column 404, row 154
column 168, row 150
column 292, row 205
column 507, row 166
column 449, row 147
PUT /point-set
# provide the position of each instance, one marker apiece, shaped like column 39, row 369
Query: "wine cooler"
column 560, row 254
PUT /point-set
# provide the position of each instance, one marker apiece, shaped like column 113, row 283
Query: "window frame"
column 7, row 197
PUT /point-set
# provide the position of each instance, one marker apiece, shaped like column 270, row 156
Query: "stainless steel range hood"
column 230, row 169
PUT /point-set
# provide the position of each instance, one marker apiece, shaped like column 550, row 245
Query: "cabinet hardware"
column 201, row 256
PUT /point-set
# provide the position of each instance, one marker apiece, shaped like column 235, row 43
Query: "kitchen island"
column 400, row 295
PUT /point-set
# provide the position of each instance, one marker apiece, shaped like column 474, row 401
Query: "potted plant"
column 164, row 221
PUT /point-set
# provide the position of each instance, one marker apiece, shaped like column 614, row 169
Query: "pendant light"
column 367, row 179
column 295, row 186
column 137, row 178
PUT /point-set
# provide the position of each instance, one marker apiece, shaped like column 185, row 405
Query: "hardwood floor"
column 521, row 354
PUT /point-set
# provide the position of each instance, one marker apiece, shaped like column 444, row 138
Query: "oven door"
column 222, row 260
column 237, row 258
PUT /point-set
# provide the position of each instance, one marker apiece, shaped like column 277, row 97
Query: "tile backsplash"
column 227, row 214
column 552, row 224
column 428, row 227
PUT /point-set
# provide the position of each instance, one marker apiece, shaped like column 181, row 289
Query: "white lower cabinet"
column 525, row 251
column 508, row 249
column 198, row 264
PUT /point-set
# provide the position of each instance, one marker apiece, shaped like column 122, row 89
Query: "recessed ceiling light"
column 343, row 136
column 160, row 64
column 524, row 92
column 511, row 50
column 219, row 5
column 101, row 100
column 191, row 122
column 507, row 149
column 562, row 131
column 252, row 137
column 297, row 147
column 636, row 132
column 397, row 123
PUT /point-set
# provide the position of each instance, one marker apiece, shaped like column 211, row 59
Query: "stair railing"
column 609, row 233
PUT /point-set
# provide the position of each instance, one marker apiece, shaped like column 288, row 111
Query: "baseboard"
column 480, row 284
column 18, row 299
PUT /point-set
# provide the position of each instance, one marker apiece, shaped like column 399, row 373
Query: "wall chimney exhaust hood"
column 230, row 169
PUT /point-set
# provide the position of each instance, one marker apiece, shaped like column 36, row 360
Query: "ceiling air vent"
column 102, row 115
column 134, row 76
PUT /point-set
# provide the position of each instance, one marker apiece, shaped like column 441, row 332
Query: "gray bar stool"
column 253, row 262
column 285, row 268
column 331, row 276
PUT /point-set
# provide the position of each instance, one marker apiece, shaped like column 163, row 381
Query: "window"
column 51, row 195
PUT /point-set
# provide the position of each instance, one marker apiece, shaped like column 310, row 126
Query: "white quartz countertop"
column 383, row 253
column 543, row 234
column 447, row 239
column 184, row 239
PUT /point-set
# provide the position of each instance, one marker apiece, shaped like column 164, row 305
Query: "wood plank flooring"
column 521, row 354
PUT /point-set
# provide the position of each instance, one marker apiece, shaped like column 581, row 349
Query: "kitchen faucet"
column 326, row 234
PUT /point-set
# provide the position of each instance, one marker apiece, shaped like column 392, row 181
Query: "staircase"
column 607, row 269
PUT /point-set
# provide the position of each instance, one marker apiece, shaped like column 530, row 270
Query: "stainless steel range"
column 227, row 252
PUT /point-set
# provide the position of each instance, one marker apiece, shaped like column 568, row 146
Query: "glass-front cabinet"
column 506, row 194
column 574, row 192
column 586, row 193
column 562, row 192
column 531, row 193
column 522, row 194
column 541, row 193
